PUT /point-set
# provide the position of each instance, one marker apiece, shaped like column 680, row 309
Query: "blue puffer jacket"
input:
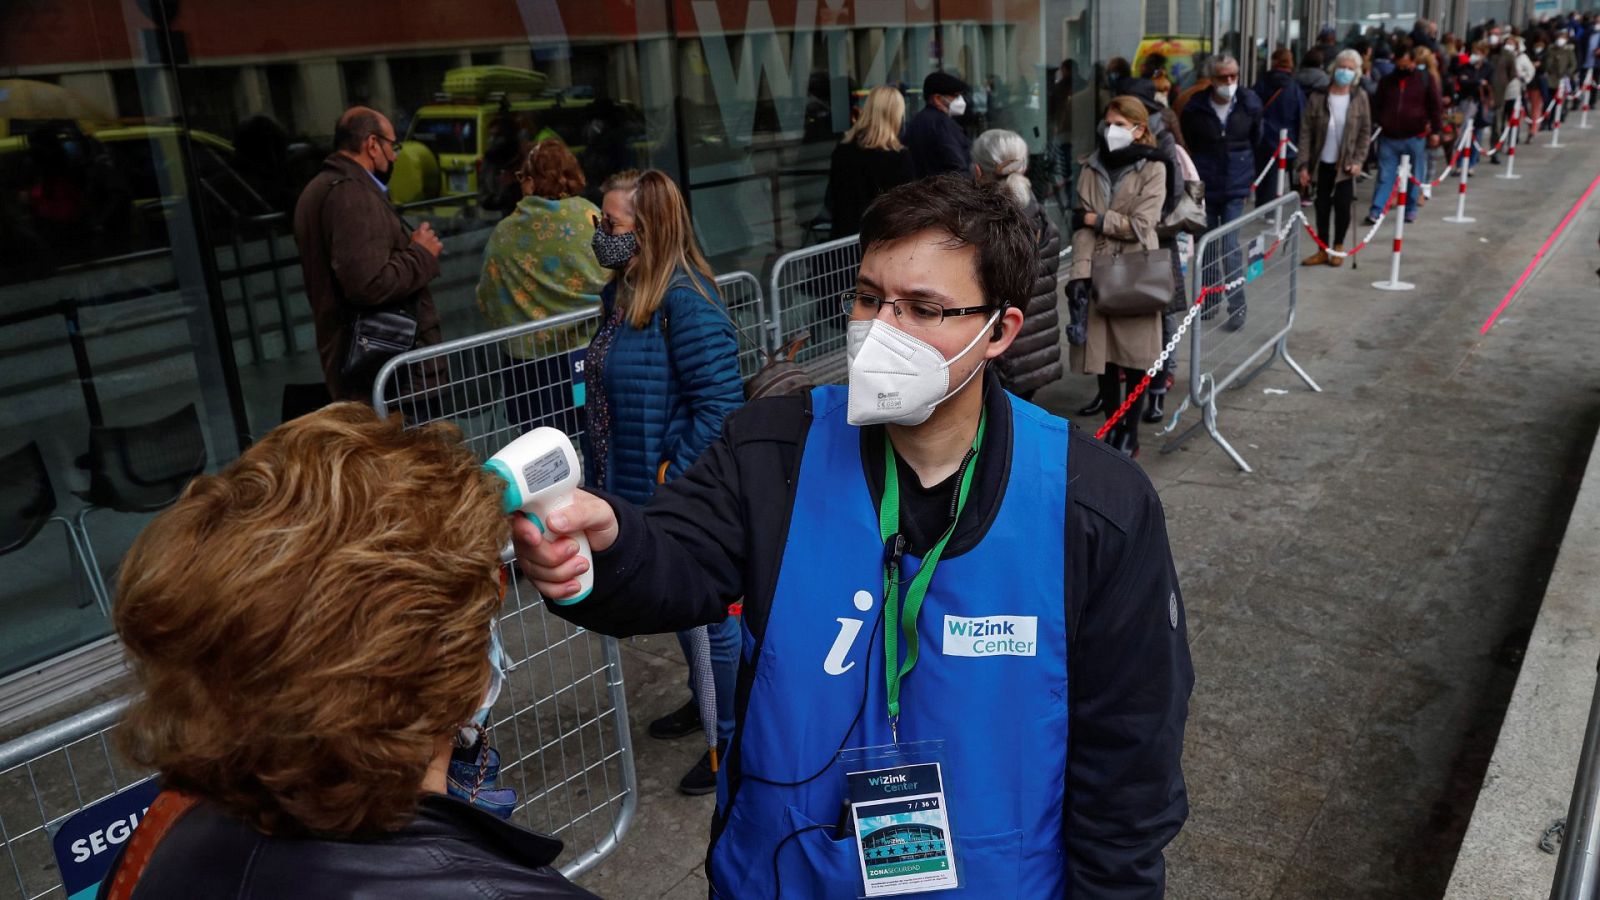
column 669, row 388
column 1226, row 159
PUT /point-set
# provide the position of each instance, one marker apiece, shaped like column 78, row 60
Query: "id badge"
column 898, row 812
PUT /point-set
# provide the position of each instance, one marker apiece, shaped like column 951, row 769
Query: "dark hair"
column 1155, row 62
column 1283, row 58
column 1312, row 59
column 971, row 214
column 354, row 127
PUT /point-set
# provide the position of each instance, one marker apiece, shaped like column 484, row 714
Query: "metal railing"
column 1243, row 331
column 1578, row 869
column 804, row 295
column 46, row 777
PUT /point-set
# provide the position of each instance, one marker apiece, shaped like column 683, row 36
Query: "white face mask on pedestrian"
column 958, row 107
column 897, row 379
column 1118, row 137
column 1225, row 91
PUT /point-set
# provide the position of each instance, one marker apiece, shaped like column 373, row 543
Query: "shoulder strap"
column 164, row 812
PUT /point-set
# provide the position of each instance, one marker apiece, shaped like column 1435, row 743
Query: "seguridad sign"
column 87, row 842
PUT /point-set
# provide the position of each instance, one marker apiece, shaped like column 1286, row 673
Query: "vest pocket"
column 989, row 864
column 813, row 864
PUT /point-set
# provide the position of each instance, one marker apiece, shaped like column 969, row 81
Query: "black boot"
column 1125, row 437
column 1093, row 407
column 1156, row 411
column 1110, row 394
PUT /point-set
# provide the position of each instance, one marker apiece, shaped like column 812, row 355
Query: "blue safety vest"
column 820, row 677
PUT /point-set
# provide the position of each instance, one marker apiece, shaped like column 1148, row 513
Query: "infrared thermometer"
column 541, row 472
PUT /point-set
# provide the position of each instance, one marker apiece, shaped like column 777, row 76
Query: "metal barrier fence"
column 1242, row 331
column 805, row 289
column 47, row 776
column 498, row 384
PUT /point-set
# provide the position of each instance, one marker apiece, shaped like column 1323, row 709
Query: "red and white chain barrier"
column 1279, row 158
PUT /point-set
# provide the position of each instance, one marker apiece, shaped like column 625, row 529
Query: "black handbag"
column 377, row 336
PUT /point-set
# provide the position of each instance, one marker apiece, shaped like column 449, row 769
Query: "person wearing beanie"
column 937, row 143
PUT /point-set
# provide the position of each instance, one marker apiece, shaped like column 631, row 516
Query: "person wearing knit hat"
column 937, row 144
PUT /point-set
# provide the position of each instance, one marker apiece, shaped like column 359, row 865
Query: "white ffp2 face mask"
column 958, row 106
column 1118, row 138
column 897, row 379
column 1225, row 91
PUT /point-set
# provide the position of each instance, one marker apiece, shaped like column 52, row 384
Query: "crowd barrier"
column 1245, row 277
column 1578, row 869
column 804, row 295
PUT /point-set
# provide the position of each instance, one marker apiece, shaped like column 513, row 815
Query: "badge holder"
column 895, row 810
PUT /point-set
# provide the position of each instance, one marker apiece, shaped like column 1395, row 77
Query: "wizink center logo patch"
column 991, row 636
column 889, row 400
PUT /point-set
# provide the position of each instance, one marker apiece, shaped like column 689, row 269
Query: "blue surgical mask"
column 1344, row 77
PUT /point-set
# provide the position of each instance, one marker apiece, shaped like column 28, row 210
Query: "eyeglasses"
column 916, row 313
column 393, row 144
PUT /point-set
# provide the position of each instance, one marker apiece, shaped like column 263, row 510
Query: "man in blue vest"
column 931, row 569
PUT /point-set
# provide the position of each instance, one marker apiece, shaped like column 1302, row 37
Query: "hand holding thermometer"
column 542, row 472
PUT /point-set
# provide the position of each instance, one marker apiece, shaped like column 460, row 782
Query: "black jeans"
column 1333, row 196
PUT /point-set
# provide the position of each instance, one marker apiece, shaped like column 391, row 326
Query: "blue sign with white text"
column 87, row 842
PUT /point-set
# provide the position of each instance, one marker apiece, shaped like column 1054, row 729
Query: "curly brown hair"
column 553, row 170
column 307, row 626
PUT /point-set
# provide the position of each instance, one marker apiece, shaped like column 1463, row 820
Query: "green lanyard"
column 889, row 530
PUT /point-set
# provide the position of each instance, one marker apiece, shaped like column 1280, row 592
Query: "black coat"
column 937, row 144
column 856, row 177
column 1034, row 359
column 450, row 850
column 718, row 534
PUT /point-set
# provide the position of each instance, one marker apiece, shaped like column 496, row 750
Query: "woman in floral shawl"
column 538, row 264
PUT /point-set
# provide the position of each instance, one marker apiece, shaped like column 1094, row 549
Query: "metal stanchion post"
column 1463, row 158
column 1402, row 184
column 1511, row 143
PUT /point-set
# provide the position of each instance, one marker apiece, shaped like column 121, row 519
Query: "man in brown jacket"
column 356, row 251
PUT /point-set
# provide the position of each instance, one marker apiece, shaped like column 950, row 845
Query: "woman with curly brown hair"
column 310, row 630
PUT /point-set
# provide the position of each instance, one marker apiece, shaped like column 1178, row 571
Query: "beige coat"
column 1129, row 218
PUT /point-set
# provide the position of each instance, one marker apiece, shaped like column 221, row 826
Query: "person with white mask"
column 937, row 142
column 1120, row 199
column 911, row 548
column 1222, row 129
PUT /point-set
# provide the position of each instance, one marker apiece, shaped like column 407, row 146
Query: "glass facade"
column 151, row 153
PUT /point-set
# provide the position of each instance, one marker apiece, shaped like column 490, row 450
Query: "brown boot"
column 1336, row 261
column 1319, row 258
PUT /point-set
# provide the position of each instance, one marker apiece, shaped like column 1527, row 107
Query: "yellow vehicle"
column 447, row 143
column 444, row 147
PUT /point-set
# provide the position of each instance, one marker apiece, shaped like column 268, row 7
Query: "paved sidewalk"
column 1357, row 607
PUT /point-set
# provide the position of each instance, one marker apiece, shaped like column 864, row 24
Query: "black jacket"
column 450, row 850
column 937, row 144
column 1225, row 158
column 856, row 176
column 718, row 534
column 1034, row 359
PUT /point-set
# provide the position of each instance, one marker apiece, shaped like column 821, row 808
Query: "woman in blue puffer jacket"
column 662, row 373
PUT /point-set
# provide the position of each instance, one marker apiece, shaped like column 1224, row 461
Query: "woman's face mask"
column 1344, row 77
column 614, row 251
column 1118, row 137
